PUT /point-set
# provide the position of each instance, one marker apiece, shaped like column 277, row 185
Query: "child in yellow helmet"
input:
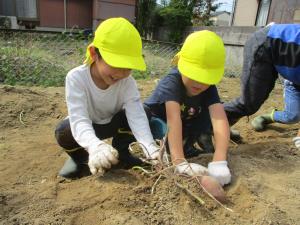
column 188, row 101
column 103, row 101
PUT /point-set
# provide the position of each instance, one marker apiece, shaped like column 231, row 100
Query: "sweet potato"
column 212, row 186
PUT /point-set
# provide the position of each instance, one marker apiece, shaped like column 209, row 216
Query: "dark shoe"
column 205, row 143
column 127, row 161
column 190, row 151
column 259, row 123
column 71, row 169
column 189, row 148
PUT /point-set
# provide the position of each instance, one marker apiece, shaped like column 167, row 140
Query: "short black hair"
column 98, row 52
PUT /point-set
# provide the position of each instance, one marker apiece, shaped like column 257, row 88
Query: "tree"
column 176, row 16
column 202, row 12
column 145, row 14
column 179, row 14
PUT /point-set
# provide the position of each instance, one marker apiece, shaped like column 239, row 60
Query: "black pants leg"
column 122, row 140
column 118, row 129
column 198, row 130
column 257, row 79
column 123, row 136
column 66, row 140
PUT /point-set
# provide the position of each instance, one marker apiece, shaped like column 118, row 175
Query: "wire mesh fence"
column 44, row 58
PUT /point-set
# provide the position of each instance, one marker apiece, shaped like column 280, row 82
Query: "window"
column 263, row 12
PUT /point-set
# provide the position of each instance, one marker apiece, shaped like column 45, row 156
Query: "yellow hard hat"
column 202, row 57
column 119, row 43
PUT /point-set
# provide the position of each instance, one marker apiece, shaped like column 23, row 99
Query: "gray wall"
column 7, row 8
column 234, row 39
column 26, row 9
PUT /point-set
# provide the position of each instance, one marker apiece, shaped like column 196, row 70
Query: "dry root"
column 163, row 169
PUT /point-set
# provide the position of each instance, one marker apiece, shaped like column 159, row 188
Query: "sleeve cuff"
column 96, row 142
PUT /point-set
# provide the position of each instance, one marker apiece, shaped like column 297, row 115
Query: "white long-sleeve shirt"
column 89, row 104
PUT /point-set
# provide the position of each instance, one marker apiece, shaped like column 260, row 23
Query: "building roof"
column 219, row 13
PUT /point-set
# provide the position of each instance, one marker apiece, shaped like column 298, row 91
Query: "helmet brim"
column 123, row 61
column 202, row 75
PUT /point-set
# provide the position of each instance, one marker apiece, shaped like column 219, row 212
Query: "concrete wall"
column 234, row 39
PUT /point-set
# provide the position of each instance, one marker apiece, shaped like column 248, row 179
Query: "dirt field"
column 265, row 187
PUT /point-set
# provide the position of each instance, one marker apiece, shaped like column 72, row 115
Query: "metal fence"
column 44, row 58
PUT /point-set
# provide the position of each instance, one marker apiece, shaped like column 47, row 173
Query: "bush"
column 177, row 18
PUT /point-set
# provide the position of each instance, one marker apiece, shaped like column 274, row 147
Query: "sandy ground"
column 265, row 187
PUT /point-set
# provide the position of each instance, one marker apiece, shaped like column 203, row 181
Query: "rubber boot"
column 127, row 160
column 121, row 143
column 259, row 123
column 205, row 142
column 77, row 165
column 158, row 128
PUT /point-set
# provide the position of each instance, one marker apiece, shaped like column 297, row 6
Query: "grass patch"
column 44, row 60
column 26, row 67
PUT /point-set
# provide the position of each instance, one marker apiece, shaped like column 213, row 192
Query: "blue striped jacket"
column 284, row 43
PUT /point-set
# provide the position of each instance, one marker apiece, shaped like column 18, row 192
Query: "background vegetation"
column 37, row 58
column 177, row 15
column 44, row 59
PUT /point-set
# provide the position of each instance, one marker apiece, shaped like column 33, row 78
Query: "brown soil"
column 265, row 187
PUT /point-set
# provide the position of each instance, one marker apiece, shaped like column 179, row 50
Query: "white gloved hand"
column 191, row 169
column 220, row 171
column 296, row 140
column 101, row 157
column 153, row 151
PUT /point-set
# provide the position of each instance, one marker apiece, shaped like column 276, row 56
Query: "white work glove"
column 191, row 169
column 101, row 157
column 220, row 171
column 296, row 140
column 152, row 152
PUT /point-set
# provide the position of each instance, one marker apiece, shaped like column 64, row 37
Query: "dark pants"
column 257, row 79
column 191, row 129
column 197, row 126
column 118, row 129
